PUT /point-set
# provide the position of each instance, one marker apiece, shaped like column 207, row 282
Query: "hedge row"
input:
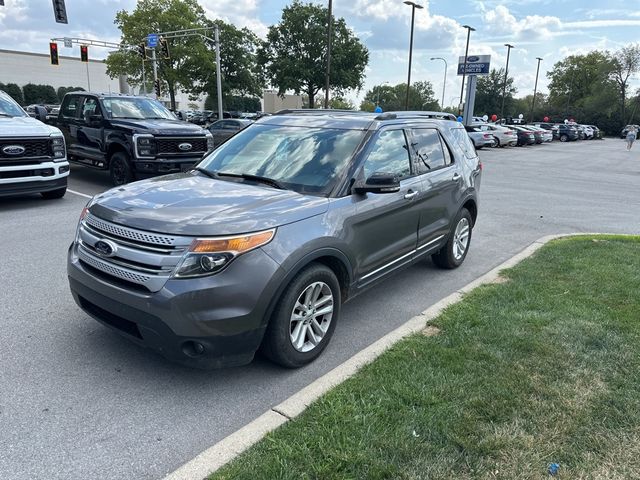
column 31, row 93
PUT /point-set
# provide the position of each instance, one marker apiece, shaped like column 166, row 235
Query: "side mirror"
column 379, row 182
column 41, row 113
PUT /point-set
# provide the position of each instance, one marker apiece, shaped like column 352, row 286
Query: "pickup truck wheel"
column 453, row 253
column 59, row 193
column 119, row 169
column 304, row 319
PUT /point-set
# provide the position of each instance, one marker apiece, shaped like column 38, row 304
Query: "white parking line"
column 233, row 445
column 79, row 193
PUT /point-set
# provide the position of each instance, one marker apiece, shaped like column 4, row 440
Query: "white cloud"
column 241, row 13
column 501, row 20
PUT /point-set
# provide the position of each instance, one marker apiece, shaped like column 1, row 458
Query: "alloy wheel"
column 461, row 238
column 311, row 317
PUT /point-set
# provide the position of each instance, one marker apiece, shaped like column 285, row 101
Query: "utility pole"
column 413, row 6
column 218, row 77
column 535, row 89
column 444, row 83
column 144, row 78
column 328, row 73
column 155, row 71
column 504, row 87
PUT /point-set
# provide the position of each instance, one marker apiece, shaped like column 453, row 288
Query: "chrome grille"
column 144, row 258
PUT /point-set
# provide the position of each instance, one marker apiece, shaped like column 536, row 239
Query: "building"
column 22, row 68
column 272, row 102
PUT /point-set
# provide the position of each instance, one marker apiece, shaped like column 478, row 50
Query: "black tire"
column 564, row 138
column 496, row 142
column 120, row 169
column 277, row 344
column 53, row 194
column 446, row 257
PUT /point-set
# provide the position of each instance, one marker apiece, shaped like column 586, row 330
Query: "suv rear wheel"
column 120, row 169
column 564, row 137
column 304, row 319
column 453, row 253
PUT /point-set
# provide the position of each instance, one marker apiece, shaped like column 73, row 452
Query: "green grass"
column 542, row 368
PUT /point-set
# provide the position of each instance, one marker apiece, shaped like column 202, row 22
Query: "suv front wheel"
column 304, row 319
column 453, row 253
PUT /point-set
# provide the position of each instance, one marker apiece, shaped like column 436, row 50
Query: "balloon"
column 520, row 116
column 546, row 119
column 572, row 120
column 485, row 118
column 378, row 109
column 566, row 121
column 460, row 119
column 494, row 117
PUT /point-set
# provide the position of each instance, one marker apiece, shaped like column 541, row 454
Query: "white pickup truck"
column 33, row 155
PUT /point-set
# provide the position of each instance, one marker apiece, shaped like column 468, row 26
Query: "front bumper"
column 31, row 181
column 163, row 166
column 206, row 322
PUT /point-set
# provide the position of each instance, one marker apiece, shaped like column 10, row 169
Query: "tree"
column 392, row 98
column 62, row 91
column 294, row 54
column 489, row 93
column 189, row 58
column 625, row 63
column 37, row 94
column 14, row 91
column 338, row 102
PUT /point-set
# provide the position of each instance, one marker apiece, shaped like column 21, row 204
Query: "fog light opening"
column 193, row 349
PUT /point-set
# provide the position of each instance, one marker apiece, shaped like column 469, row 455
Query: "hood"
column 195, row 205
column 160, row 127
column 24, row 126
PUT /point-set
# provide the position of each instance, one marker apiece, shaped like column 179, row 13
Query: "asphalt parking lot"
column 78, row 402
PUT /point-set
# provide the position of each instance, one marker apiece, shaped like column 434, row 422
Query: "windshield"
column 138, row 108
column 306, row 160
column 9, row 108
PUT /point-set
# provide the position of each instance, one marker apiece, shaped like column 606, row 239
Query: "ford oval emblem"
column 106, row 248
column 473, row 59
column 14, row 149
column 185, row 147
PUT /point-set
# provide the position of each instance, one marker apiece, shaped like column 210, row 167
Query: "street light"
column 535, row 89
column 444, row 83
column 464, row 70
column 327, row 74
column 504, row 87
column 413, row 17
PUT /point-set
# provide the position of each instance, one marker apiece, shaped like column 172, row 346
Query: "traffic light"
column 60, row 11
column 53, row 53
column 142, row 51
column 156, row 86
column 84, row 53
column 164, row 48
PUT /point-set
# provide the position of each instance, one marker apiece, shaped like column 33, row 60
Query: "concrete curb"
column 230, row 447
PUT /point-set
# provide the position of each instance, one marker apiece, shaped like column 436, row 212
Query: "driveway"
column 78, row 402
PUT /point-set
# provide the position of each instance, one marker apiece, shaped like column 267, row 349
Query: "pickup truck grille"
column 146, row 259
column 34, row 148
column 171, row 146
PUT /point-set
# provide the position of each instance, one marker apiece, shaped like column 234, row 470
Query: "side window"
column 428, row 149
column 461, row 137
column 72, row 107
column 90, row 107
column 389, row 154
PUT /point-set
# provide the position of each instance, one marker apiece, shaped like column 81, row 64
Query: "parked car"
column 225, row 129
column 625, row 130
column 480, row 139
column 131, row 137
column 564, row 132
column 262, row 242
column 33, row 156
column 525, row 137
column 587, row 131
column 541, row 134
column 543, row 125
column 597, row 133
column 503, row 136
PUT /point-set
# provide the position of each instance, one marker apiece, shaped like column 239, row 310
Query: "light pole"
column 329, row 28
column 535, row 89
column 413, row 17
column 444, row 83
column 380, row 88
column 504, row 87
column 464, row 70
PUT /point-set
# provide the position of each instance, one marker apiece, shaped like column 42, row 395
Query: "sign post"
column 152, row 40
column 473, row 66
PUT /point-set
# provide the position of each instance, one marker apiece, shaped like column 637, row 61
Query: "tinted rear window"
column 462, row 140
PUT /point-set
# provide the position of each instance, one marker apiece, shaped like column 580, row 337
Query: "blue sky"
column 551, row 29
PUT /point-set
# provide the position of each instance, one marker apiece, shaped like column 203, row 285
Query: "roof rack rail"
column 316, row 111
column 421, row 113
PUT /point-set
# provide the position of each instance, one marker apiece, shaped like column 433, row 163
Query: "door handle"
column 410, row 195
column 456, row 177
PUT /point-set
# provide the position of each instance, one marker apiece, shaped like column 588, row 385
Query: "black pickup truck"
column 131, row 137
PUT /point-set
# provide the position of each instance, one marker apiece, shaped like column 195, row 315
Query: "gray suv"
column 263, row 241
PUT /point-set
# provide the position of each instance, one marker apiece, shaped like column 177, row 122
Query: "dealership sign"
column 476, row 65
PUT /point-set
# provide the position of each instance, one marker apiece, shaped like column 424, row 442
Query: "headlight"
column 58, row 149
column 207, row 256
column 210, row 144
column 145, row 146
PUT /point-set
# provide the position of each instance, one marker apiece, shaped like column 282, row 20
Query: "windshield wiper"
column 206, row 172
column 253, row 178
column 2, row 114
